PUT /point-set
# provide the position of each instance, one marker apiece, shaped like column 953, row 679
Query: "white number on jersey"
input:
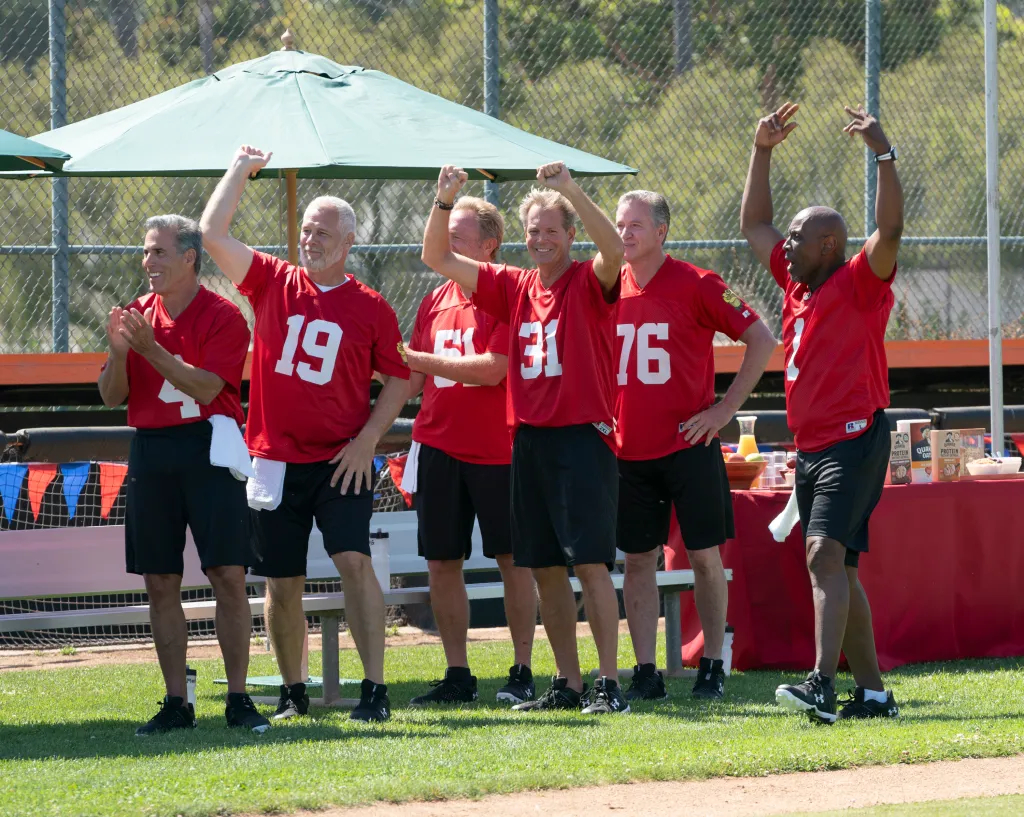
column 453, row 343
column 326, row 352
column 542, row 350
column 169, row 394
column 653, row 366
column 798, row 330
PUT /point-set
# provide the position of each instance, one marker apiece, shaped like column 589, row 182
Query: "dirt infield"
column 738, row 797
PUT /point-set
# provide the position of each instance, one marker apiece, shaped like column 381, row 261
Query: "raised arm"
column 488, row 369
column 437, row 251
column 599, row 227
column 756, row 212
column 760, row 345
column 884, row 243
column 232, row 256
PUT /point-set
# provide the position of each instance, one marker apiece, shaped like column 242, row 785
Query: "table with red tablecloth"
column 945, row 577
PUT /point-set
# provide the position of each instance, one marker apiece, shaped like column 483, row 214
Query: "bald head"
column 826, row 225
column 816, row 245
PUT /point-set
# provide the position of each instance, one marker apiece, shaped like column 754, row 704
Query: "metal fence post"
column 59, row 190
column 682, row 36
column 872, row 101
column 492, row 81
column 995, row 333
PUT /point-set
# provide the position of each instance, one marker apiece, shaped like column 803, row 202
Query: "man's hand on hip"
column 355, row 462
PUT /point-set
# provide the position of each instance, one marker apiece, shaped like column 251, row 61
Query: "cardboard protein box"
column 899, row 458
column 945, row 445
column 920, row 448
column 972, row 447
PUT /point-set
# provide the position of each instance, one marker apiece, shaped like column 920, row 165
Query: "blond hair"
column 548, row 200
column 492, row 225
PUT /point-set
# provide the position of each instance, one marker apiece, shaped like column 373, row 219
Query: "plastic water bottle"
column 380, row 557
column 190, row 687
column 727, row 651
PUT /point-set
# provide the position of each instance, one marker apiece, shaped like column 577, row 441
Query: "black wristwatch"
column 440, row 205
column 887, row 157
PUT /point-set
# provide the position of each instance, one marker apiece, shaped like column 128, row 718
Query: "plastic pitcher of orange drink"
column 748, row 445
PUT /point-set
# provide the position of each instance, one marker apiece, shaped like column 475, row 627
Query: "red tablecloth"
column 945, row 577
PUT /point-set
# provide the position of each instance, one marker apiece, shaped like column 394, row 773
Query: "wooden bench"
column 89, row 561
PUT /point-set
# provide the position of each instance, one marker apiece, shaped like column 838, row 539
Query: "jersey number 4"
column 652, row 364
column 169, row 394
column 325, row 350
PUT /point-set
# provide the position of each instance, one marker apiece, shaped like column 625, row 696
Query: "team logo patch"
column 732, row 299
column 401, row 351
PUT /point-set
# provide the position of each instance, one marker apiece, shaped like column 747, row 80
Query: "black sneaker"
column 374, row 704
column 293, row 702
column 605, row 698
column 816, row 696
column 454, row 688
column 520, row 687
column 174, row 714
column 240, row 711
column 558, row 696
column 647, row 684
column 857, row 707
column 710, row 680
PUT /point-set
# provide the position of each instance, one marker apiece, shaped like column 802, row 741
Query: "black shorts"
column 693, row 480
column 565, row 488
column 450, row 493
column 281, row 536
column 171, row 485
column 838, row 488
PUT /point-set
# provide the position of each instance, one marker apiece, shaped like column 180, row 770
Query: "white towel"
column 227, row 448
column 265, row 490
column 783, row 524
column 412, row 465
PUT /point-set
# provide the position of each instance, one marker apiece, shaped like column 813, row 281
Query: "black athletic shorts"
column 281, row 536
column 565, row 488
column 693, row 480
column 171, row 485
column 450, row 493
column 837, row 488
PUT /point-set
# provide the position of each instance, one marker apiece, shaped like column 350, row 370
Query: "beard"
column 324, row 262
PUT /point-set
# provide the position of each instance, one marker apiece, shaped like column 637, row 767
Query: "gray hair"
column 656, row 202
column 188, row 234
column 346, row 215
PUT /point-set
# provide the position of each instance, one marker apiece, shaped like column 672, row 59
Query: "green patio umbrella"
column 322, row 120
column 20, row 154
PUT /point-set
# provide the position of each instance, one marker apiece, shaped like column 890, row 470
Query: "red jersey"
column 314, row 354
column 466, row 422
column 561, row 369
column 666, row 372
column 210, row 334
column 837, row 376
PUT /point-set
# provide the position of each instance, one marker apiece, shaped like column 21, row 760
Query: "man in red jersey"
column 176, row 354
column 834, row 315
column 320, row 335
column 561, row 318
column 667, row 423
column 459, row 358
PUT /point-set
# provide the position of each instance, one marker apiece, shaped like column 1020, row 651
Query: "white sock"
column 873, row 695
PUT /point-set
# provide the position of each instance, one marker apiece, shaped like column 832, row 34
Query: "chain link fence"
column 673, row 87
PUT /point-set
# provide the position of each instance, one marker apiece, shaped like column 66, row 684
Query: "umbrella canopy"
column 19, row 153
column 321, row 119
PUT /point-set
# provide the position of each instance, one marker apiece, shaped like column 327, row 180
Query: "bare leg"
column 859, row 641
column 831, row 591
column 640, row 591
column 602, row 608
column 234, row 622
column 520, row 607
column 450, row 604
column 558, row 612
column 170, row 635
column 364, row 610
column 711, row 595
column 287, row 625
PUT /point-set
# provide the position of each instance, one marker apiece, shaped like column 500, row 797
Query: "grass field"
column 67, row 748
column 1009, row 806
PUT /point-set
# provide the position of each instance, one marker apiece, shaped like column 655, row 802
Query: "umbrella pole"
column 291, row 186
